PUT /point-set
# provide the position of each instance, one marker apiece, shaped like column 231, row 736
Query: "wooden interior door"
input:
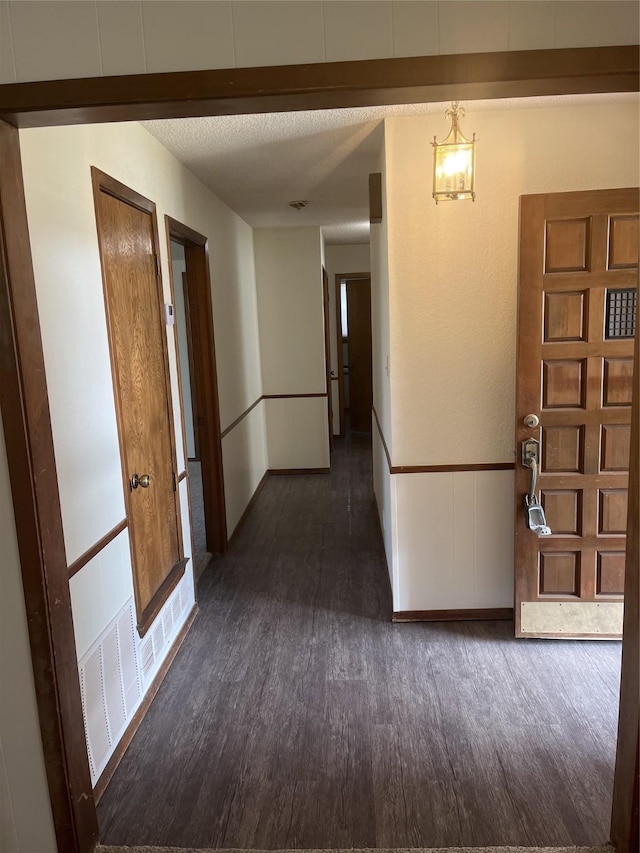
column 360, row 360
column 140, row 373
column 576, row 321
column 327, row 353
column 206, row 410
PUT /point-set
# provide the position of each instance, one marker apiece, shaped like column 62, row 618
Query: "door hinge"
column 175, row 482
column 157, row 265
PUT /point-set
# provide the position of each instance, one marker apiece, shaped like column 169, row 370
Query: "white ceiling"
column 257, row 164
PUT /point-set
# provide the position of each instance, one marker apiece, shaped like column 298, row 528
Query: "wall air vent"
column 110, row 687
column 117, row 670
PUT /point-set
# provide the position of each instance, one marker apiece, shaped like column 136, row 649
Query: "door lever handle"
column 534, row 512
column 532, row 463
column 531, row 459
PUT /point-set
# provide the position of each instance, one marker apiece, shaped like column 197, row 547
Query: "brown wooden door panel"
column 205, row 399
column 578, row 289
column 138, row 354
column 360, row 359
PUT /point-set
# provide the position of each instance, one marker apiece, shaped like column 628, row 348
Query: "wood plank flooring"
column 296, row 715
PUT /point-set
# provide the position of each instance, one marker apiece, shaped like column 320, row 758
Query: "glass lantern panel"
column 453, row 170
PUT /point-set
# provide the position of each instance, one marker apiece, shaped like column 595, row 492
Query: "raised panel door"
column 576, row 322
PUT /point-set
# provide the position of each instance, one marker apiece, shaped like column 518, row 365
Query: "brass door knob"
column 144, row 481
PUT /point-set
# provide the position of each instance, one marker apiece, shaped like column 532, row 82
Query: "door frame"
column 192, row 389
column 323, row 85
column 204, row 376
column 23, row 397
column 24, row 404
column 339, row 278
column 327, row 352
column 625, row 819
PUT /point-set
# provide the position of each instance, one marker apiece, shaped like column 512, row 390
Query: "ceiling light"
column 454, row 161
column 298, row 204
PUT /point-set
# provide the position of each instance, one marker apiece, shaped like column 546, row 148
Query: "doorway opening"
column 191, row 296
column 59, row 619
column 355, row 375
column 327, row 352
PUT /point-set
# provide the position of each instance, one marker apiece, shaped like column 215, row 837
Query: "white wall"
column 341, row 259
column 453, row 266
column 53, row 40
column 452, row 273
column 297, row 433
column 24, row 794
column 384, row 485
column 70, row 302
column 290, row 308
column 245, row 462
column 69, row 287
column 179, row 267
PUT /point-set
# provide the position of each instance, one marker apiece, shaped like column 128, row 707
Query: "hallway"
column 297, row 715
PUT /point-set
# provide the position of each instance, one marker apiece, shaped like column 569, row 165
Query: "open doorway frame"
column 23, row 393
column 204, row 377
column 340, row 338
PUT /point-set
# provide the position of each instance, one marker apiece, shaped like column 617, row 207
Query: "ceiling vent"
column 298, row 205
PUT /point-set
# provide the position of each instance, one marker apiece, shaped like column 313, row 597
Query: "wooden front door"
column 359, row 341
column 140, row 373
column 576, row 321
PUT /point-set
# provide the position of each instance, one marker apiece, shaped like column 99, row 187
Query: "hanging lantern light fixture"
column 454, row 161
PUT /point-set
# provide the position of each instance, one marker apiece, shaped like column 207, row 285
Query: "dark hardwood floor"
column 297, row 715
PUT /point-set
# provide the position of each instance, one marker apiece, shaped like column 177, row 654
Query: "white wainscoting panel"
column 384, row 487
column 455, row 540
column 116, row 672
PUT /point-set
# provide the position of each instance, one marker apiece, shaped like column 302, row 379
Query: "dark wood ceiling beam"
column 527, row 73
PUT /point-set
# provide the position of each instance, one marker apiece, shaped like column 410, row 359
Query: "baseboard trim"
column 138, row 717
column 465, row 615
column 248, row 508
column 299, row 471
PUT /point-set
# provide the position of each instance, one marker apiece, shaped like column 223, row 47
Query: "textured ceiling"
column 258, row 163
